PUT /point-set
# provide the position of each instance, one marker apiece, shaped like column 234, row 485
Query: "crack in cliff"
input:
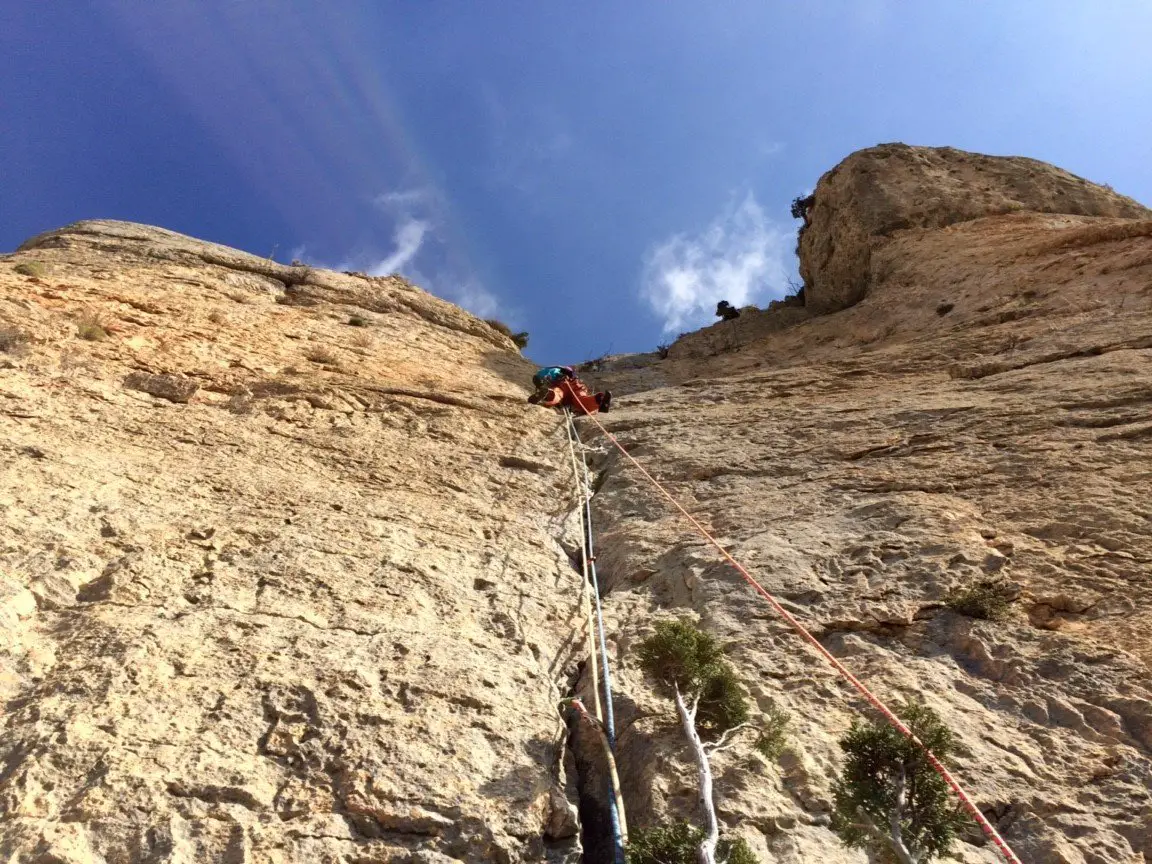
column 585, row 745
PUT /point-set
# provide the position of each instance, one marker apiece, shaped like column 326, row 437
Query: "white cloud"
column 421, row 251
column 475, row 298
column 408, row 238
column 740, row 257
column 770, row 148
column 529, row 147
column 405, row 199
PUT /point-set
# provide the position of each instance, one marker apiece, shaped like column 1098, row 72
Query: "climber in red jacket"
column 558, row 386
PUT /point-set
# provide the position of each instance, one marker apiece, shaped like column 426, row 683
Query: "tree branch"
column 706, row 853
column 717, row 746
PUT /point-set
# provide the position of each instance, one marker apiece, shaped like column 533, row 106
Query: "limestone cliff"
column 280, row 569
column 285, row 560
column 983, row 412
column 876, row 192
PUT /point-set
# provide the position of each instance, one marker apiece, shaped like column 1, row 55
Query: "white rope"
column 585, row 600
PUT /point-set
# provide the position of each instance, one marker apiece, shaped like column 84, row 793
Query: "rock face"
column 876, row 192
column 325, row 610
column 310, row 615
column 985, row 412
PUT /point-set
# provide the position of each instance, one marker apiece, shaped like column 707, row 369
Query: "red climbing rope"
column 873, row 700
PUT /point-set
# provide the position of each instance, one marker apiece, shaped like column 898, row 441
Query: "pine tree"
column 889, row 799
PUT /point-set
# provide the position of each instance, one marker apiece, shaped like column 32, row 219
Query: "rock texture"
column 311, row 615
column 892, row 187
column 325, row 609
column 985, row 412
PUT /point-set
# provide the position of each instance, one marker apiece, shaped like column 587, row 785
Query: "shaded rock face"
column 876, row 192
column 325, row 609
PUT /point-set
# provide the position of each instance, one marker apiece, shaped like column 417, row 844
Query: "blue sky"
column 599, row 174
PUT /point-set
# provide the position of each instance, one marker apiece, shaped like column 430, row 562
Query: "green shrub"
column 91, row 327
column 888, row 780
column 773, row 734
column 358, row 321
column 521, row 339
column 680, row 655
column 31, row 268
column 722, row 703
column 800, row 205
column 989, row 599
column 677, row 844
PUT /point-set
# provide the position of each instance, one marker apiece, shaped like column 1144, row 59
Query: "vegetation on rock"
column 689, row 665
column 889, row 799
column 520, row 339
column 91, row 327
column 989, row 599
column 679, row 843
column 30, row 268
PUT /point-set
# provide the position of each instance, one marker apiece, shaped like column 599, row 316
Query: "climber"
column 726, row 310
column 559, row 386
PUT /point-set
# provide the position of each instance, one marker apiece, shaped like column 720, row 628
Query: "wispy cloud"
column 408, row 238
column 739, row 257
column 421, row 251
column 475, row 298
column 405, row 199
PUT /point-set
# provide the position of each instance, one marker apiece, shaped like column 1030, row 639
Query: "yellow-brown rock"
column 892, row 187
column 286, row 560
column 309, row 615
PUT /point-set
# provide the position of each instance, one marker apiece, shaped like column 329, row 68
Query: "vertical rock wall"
column 274, row 586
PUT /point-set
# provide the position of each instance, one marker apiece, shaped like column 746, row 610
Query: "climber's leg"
column 577, row 397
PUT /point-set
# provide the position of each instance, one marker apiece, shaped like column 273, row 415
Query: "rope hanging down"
column 608, row 729
column 585, row 602
column 872, row 699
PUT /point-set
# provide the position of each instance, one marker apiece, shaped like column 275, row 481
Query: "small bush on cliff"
column 91, row 327
column 677, row 844
column 800, row 205
column 520, row 339
column 773, row 734
column 989, row 599
column 31, row 268
column 888, row 799
column 323, row 356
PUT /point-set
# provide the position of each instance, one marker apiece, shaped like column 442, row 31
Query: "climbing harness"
column 872, row 699
column 608, row 729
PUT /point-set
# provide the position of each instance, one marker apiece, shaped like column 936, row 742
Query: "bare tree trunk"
column 706, row 854
column 895, row 836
